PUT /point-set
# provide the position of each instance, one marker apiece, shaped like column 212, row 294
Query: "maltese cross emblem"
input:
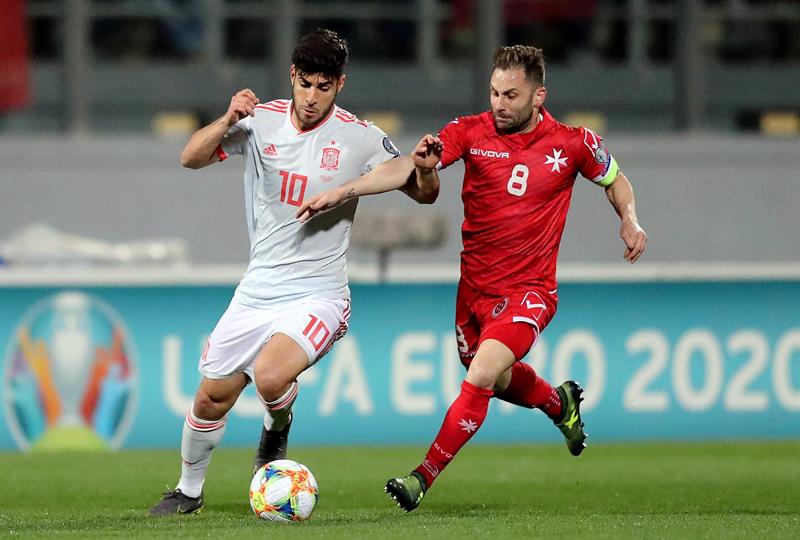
column 468, row 425
column 556, row 160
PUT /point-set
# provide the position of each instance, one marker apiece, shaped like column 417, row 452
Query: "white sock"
column 280, row 410
column 200, row 437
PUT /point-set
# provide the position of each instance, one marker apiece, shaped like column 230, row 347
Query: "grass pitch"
column 720, row 490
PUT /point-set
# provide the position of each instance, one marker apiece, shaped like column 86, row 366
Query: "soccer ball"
column 283, row 490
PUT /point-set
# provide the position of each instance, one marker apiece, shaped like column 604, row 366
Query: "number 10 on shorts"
column 293, row 187
column 317, row 332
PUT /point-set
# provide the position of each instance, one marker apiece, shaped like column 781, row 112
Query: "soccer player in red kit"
column 521, row 165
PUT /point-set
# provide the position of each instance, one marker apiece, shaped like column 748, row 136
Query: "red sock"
column 462, row 420
column 527, row 389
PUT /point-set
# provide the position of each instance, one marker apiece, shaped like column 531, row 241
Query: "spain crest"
column 330, row 159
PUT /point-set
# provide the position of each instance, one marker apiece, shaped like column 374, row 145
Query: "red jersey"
column 516, row 194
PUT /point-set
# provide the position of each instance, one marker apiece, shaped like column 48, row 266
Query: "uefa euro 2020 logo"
column 70, row 376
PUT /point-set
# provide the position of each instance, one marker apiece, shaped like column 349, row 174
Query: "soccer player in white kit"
column 293, row 302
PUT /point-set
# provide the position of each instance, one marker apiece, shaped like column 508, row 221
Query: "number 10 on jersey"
column 293, row 187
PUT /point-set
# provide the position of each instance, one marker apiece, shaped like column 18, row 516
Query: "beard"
column 515, row 124
column 322, row 115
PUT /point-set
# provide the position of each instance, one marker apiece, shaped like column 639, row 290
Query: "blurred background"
column 89, row 66
column 699, row 101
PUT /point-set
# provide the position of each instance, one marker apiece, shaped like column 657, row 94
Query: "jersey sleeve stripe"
column 269, row 108
column 348, row 117
column 351, row 119
column 277, row 103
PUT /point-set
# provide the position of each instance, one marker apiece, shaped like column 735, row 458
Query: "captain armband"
column 609, row 172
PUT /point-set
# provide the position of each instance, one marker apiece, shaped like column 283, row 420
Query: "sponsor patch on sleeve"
column 601, row 155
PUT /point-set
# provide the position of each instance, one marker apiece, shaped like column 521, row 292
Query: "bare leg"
column 204, row 428
column 277, row 367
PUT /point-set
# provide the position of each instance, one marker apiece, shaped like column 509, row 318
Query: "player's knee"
column 481, row 375
column 271, row 385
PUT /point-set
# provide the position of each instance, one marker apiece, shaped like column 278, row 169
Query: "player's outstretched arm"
column 423, row 185
column 200, row 150
column 620, row 195
column 387, row 176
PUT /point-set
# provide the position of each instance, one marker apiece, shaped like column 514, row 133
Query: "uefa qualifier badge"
column 69, row 377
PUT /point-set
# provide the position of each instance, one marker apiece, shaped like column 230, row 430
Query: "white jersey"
column 284, row 167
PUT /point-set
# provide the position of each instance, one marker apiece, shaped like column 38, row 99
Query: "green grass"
column 721, row 490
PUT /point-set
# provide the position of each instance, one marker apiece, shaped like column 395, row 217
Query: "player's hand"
column 323, row 202
column 242, row 104
column 635, row 240
column 428, row 152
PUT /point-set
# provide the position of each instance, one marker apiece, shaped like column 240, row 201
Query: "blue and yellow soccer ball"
column 283, row 490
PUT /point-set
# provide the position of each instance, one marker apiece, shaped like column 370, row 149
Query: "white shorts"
column 313, row 323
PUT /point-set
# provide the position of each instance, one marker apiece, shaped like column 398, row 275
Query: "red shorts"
column 515, row 319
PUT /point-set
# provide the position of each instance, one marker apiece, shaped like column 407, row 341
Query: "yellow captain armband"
column 610, row 174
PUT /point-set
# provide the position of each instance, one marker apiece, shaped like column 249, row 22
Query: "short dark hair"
column 531, row 59
column 321, row 51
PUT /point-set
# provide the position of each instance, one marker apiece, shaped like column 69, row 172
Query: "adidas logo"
column 270, row 150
